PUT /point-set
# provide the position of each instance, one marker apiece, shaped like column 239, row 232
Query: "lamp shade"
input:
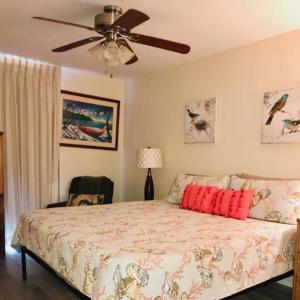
column 149, row 158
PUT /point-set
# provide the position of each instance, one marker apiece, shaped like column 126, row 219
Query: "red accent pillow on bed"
column 222, row 203
column 199, row 198
column 240, row 206
column 209, row 199
column 233, row 204
column 212, row 200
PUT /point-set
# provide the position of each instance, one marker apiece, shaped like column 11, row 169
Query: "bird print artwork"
column 277, row 107
column 281, row 119
column 290, row 126
column 200, row 121
column 191, row 114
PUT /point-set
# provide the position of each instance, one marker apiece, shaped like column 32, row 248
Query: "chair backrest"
column 93, row 185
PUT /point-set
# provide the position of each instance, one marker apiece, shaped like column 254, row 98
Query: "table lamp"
column 149, row 158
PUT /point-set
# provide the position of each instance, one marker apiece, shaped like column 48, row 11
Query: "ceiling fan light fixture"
column 98, row 52
column 112, row 51
column 112, row 62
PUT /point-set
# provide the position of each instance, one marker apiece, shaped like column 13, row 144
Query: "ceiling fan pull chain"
column 107, row 71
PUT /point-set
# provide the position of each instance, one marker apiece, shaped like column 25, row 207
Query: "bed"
column 154, row 250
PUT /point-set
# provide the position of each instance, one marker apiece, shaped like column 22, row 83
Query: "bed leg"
column 23, row 258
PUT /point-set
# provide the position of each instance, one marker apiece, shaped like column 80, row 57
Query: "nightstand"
column 296, row 285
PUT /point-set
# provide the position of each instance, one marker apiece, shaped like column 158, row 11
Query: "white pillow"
column 275, row 201
column 179, row 184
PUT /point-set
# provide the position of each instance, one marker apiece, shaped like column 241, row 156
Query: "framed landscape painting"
column 200, row 118
column 89, row 121
column 281, row 117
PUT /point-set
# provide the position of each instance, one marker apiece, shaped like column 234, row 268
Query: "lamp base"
column 149, row 188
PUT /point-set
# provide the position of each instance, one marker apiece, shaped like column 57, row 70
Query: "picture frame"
column 200, row 121
column 281, row 117
column 89, row 121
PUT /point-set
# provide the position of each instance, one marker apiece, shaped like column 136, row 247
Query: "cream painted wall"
column 84, row 161
column 238, row 78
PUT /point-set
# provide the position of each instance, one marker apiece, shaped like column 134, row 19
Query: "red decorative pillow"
column 195, row 192
column 208, row 200
column 212, row 200
column 199, row 198
column 234, row 202
column 243, row 206
column 190, row 194
column 222, row 203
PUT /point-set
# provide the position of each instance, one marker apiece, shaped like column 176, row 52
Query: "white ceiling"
column 208, row 26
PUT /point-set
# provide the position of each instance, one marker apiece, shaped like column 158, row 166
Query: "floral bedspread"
column 155, row 251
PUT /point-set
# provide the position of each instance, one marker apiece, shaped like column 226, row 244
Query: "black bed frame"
column 25, row 251
column 36, row 258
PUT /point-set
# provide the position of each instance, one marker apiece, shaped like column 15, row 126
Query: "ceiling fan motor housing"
column 108, row 17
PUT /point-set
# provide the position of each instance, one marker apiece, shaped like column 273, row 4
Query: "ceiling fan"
column 114, row 29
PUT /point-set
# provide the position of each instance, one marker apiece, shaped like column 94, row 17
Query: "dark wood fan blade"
column 132, row 60
column 159, row 43
column 77, row 44
column 130, row 19
column 66, row 23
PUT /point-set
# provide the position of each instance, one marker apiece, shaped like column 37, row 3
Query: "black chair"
column 89, row 185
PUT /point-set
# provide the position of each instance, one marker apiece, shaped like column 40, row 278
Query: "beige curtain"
column 30, row 94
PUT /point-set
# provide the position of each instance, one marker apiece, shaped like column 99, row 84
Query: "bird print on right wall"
column 277, row 107
column 281, row 118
